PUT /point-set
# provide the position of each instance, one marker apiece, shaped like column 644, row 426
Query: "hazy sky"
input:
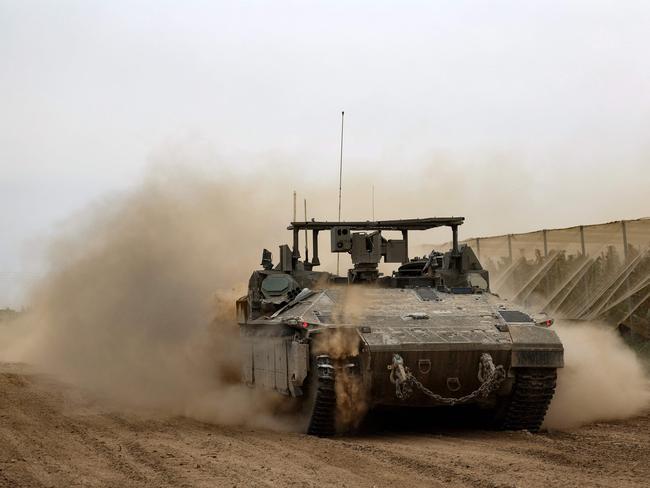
column 93, row 92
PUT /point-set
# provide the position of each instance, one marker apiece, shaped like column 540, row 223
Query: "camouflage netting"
column 586, row 272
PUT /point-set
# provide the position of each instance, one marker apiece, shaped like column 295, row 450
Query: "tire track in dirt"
column 53, row 435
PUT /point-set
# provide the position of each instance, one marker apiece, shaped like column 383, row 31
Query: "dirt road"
column 53, row 435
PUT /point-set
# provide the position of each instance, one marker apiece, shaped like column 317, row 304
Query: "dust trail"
column 603, row 379
column 348, row 311
column 343, row 345
column 138, row 304
column 351, row 401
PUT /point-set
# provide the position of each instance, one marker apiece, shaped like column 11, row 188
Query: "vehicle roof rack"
column 403, row 225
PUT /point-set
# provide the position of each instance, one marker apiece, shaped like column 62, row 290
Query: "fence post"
column 510, row 247
column 545, row 243
column 624, row 229
column 628, row 302
column 582, row 240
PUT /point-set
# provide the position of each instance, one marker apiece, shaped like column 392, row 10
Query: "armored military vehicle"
column 430, row 334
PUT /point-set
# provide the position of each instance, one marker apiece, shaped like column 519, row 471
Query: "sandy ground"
column 54, row 435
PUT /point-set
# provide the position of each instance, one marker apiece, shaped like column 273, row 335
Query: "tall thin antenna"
column 340, row 183
column 294, row 205
column 373, row 203
column 306, row 240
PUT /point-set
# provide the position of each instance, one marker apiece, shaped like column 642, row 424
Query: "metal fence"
column 590, row 272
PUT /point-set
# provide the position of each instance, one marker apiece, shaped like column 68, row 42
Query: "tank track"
column 531, row 395
column 323, row 416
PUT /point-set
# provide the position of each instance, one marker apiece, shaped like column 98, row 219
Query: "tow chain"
column 489, row 375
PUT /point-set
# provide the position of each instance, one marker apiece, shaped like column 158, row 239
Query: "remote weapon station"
column 430, row 334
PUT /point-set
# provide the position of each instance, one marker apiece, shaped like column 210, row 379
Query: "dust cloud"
column 603, row 379
column 138, row 305
column 350, row 308
column 343, row 345
column 138, row 301
column 351, row 401
column 339, row 344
